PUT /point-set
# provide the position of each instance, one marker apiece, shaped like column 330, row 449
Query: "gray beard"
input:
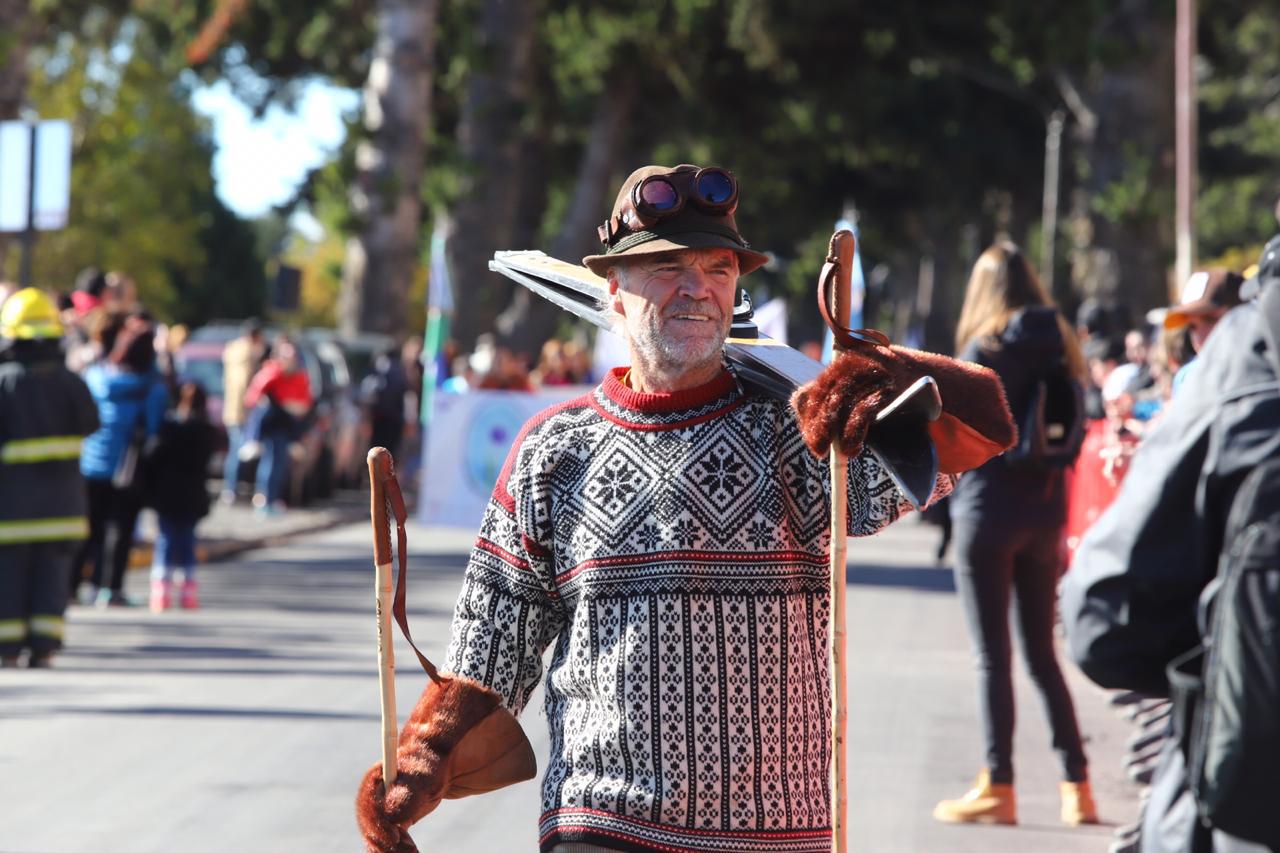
column 666, row 357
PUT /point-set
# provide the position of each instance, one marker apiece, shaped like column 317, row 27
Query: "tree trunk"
column 491, row 140
column 1120, row 220
column 18, row 31
column 380, row 262
column 531, row 320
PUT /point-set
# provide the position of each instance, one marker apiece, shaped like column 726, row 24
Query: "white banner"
column 467, row 443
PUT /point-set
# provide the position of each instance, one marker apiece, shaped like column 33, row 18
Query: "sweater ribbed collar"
column 673, row 410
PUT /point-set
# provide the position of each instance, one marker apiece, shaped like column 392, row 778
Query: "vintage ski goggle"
column 658, row 197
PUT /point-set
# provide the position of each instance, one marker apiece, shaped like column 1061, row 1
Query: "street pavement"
column 246, row 725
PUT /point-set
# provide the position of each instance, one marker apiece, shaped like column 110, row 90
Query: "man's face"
column 677, row 307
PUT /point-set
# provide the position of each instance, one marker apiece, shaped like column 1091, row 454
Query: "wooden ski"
column 899, row 438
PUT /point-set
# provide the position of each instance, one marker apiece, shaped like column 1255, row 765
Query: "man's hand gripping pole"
column 457, row 741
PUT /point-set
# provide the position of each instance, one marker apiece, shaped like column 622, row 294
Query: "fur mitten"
column 841, row 404
column 458, row 741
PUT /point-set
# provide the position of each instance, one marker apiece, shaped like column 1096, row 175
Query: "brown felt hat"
column 1208, row 292
column 691, row 228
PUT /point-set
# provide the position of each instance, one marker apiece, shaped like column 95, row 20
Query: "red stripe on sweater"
column 727, row 557
column 779, row 835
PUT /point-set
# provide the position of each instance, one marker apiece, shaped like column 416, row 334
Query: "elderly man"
column 668, row 534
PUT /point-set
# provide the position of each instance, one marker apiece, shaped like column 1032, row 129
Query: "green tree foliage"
column 1239, row 126
column 142, row 198
column 140, row 160
column 272, row 46
column 929, row 117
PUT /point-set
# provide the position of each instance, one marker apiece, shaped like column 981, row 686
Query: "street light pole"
column 1049, row 213
column 1185, row 135
column 29, row 234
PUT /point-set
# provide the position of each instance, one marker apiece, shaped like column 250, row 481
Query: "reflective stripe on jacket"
column 43, row 529
column 41, row 449
column 45, row 412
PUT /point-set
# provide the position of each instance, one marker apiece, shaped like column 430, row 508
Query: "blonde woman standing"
column 1008, row 520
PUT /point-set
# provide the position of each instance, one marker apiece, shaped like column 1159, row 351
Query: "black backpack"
column 1051, row 424
column 1227, row 690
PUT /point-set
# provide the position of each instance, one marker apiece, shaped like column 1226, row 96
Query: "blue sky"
column 260, row 163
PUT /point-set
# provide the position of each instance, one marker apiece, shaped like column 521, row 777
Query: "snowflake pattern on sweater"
column 674, row 549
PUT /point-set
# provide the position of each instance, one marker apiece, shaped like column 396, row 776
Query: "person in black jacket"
column 45, row 413
column 1008, row 525
column 177, row 465
column 1131, row 600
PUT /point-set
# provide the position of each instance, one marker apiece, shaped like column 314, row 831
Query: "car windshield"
column 206, row 371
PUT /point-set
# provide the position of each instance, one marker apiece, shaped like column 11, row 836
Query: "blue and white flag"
column 439, row 282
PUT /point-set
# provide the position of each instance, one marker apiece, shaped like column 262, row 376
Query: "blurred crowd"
column 494, row 367
column 95, row 424
column 135, row 414
column 98, row 420
column 1134, row 370
column 152, row 439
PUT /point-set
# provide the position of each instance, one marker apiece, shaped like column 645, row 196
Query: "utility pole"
column 1185, row 135
column 29, row 233
column 1049, row 212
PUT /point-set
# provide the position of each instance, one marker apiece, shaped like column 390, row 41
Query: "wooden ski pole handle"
column 381, row 469
column 839, row 254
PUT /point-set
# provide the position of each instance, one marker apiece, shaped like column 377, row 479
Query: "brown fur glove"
column 458, row 741
column 841, row 404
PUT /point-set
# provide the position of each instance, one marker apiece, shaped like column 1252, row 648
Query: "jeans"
column 997, row 561
column 273, row 466
column 231, row 466
column 175, row 549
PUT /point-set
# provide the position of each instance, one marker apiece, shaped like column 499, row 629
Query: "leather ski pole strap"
column 387, row 502
column 837, row 272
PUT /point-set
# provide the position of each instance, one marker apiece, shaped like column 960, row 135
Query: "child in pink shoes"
column 177, row 466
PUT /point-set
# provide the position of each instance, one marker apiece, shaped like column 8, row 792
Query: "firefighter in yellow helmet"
column 45, row 412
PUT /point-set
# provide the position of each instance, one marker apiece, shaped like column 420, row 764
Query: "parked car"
column 331, row 437
column 360, row 350
column 342, row 448
column 358, row 353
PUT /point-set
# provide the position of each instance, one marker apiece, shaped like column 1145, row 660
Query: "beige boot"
column 983, row 803
column 1077, row 803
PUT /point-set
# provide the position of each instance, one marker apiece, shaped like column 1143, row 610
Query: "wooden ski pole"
column 381, row 469
column 840, row 252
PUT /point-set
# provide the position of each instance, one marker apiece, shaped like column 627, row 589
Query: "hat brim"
column 748, row 260
column 1180, row 315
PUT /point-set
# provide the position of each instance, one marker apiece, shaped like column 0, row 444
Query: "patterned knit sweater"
column 674, row 549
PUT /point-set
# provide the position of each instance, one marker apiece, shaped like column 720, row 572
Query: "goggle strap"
column 635, row 238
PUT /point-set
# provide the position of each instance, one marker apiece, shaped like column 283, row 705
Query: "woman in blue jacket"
column 131, row 400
